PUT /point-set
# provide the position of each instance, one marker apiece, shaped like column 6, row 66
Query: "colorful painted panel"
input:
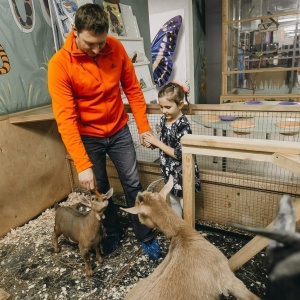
column 26, row 45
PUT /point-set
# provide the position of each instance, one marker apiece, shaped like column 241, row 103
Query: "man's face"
column 89, row 42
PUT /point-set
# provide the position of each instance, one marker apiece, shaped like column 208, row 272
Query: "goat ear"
column 132, row 210
column 139, row 197
column 85, row 201
column 285, row 237
column 167, row 188
column 108, row 194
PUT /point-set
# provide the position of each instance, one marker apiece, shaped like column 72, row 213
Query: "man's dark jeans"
column 120, row 149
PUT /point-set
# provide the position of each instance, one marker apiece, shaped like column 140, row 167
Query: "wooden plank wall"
column 33, row 171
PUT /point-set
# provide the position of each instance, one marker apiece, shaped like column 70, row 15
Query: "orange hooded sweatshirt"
column 86, row 96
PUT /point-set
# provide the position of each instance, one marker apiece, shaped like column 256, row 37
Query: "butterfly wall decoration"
column 162, row 48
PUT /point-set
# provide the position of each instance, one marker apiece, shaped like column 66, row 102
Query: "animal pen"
column 248, row 158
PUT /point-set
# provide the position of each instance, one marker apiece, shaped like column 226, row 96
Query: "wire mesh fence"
column 236, row 190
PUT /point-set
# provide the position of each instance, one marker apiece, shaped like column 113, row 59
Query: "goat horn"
column 284, row 237
column 167, row 188
column 153, row 184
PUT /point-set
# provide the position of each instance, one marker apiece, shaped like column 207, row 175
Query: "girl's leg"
column 176, row 204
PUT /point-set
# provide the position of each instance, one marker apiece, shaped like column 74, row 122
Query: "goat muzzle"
column 98, row 194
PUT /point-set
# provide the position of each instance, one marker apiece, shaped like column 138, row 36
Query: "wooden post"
column 188, row 175
column 224, row 46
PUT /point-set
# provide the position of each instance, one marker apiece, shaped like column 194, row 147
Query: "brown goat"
column 83, row 228
column 193, row 267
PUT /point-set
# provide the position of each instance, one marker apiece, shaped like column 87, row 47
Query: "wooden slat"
column 281, row 14
column 239, row 144
column 225, row 97
column 260, row 110
column 33, row 115
column 238, row 154
column 262, row 70
column 45, row 113
column 289, row 162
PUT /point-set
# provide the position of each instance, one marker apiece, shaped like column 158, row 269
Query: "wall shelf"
column 126, row 38
column 136, row 46
column 141, row 63
column 257, row 63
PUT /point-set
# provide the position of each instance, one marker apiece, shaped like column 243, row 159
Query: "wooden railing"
column 282, row 153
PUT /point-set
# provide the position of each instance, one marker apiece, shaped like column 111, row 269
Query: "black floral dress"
column 171, row 135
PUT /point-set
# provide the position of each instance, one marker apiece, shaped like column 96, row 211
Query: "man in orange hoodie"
column 84, row 79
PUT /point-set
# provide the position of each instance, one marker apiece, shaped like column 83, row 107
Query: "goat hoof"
column 56, row 250
column 100, row 260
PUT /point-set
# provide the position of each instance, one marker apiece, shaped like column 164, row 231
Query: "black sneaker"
column 110, row 243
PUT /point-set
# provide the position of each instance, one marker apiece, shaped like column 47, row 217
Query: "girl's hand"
column 142, row 140
column 150, row 138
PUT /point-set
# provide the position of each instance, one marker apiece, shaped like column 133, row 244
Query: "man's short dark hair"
column 91, row 17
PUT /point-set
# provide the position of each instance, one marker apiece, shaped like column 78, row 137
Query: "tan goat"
column 193, row 268
column 83, row 228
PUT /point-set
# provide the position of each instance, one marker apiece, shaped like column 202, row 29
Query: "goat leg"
column 55, row 241
column 239, row 290
column 86, row 257
column 98, row 254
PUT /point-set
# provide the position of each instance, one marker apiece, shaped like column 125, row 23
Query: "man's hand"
column 87, row 179
column 142, row 140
